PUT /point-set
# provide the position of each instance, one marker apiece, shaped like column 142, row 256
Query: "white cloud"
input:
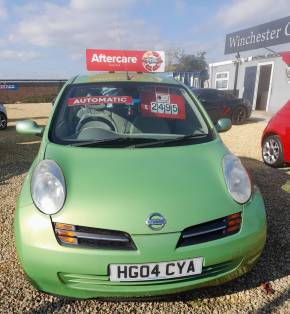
column 180, row 5
column 15, row 54
column 80, row 24
column 246, row 13
column 3, row 10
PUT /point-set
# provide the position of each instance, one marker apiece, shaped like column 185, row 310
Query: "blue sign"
column 8, row 86
column 261, row 36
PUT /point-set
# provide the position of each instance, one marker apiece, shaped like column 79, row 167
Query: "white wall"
column 279, row 91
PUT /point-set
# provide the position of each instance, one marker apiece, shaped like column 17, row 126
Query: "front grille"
column 92, row 237
column 93, row 282
column 212, row 230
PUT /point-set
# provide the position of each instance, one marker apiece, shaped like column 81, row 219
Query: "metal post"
column 237, row 73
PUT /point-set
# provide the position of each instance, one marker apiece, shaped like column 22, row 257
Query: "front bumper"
column 83, row 273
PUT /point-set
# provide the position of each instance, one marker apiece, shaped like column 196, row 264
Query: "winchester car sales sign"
column 261, row 36
column 125, row 60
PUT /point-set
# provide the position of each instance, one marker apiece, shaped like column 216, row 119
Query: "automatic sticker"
column 99, row 100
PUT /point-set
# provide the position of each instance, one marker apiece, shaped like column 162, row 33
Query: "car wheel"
column 239, row 115
column 3, row 121
column 272, row 151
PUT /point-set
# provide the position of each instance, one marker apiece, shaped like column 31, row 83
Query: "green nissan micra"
column 133, row 193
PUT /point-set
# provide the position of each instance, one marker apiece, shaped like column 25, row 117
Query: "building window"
column 222, row 80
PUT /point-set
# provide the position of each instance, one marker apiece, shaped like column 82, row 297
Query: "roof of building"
column 246, row 59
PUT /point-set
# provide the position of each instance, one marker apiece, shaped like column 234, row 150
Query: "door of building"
column 264, row 88
column 249, row 83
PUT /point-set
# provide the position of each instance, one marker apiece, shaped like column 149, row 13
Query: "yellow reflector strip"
column 65, row 233
column 233, row 216
column 233, row 228
column 62, row 226
column 234, row 222
column 68, row 240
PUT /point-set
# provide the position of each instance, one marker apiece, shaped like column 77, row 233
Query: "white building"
column 263, row 80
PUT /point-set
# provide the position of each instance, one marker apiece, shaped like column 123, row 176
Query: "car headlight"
column 48, row 187
column 237, row 179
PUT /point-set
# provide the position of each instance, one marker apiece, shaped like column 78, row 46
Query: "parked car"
column 3, row 117
column 220, row 104
column 276, row 138
column 133, row 193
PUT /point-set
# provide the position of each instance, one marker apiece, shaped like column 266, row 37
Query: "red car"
column 276, row 138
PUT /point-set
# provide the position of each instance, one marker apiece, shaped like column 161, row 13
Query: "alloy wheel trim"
column 271, row 151
column 240, row 115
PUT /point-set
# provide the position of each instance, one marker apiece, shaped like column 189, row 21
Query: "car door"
column 212, row 103
column 282, row 126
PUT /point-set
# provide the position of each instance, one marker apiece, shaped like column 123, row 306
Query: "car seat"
column 149, row 125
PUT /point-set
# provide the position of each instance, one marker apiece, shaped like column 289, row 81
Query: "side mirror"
column 29, row 127
column 223, row 125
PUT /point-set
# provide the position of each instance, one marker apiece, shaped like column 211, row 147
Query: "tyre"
column 239, row 115
column 272, row 151
column 3, row 121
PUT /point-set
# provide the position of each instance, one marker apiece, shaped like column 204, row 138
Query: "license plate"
column 156, row 271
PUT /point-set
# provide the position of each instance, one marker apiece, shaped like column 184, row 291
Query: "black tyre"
column 3, row 121
column 239, row 115
column 272, row 151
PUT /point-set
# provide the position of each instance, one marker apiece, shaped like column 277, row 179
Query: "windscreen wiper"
column 135, row 142
column 180, row 139
column 117, row 140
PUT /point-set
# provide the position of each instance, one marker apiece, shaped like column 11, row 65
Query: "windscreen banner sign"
column 265, row 35
column 100, row 100
column 8, row 86
column 125, row 60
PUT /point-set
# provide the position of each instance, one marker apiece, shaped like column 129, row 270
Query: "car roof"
column 123, row 77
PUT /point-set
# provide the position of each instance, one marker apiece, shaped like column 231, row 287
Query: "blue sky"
column 48, row 38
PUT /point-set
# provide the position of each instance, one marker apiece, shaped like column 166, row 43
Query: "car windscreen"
column 108, row 111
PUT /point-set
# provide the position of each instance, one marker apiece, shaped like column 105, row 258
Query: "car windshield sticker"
column 100, row 100
column 162, row 95
column 162, row 105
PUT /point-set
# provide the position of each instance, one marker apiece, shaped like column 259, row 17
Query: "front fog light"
column 237, row 179
column 48, row 187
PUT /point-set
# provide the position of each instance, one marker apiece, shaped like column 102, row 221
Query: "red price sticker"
column 162, row 109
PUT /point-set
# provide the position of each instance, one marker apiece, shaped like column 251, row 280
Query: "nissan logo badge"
column 155, row 221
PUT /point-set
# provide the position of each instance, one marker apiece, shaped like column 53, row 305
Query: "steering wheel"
column 89, row 118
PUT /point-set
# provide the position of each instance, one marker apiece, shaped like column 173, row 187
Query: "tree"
column 172, row 58
column 179, row 61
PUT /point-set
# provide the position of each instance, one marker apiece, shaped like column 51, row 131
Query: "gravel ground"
column 266, row 289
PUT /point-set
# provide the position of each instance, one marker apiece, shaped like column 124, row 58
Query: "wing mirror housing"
column 29, row 127
column 223, row 125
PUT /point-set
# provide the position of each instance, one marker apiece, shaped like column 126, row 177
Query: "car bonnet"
column 118, row 189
